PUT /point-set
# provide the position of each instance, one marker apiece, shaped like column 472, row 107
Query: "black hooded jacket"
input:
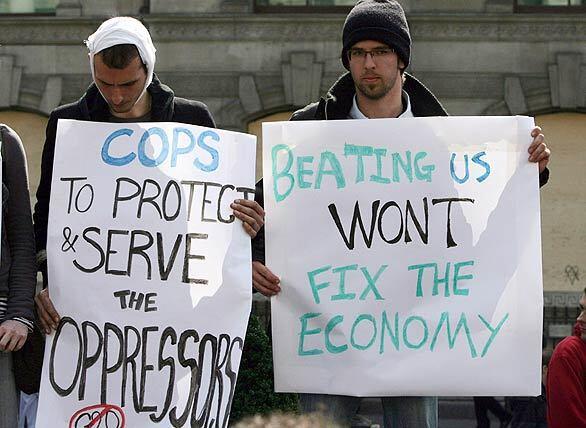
column 336, row 105
column 165, row 107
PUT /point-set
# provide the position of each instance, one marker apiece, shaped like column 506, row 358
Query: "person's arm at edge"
column 565, row 399
column 18, row 227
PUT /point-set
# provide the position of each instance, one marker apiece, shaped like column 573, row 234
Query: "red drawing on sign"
column 98, row 416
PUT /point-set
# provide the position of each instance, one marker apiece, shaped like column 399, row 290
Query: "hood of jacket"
column 339, row 98
column 93, row 106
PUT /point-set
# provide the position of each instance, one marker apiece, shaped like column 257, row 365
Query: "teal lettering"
column 394, row 336
column 420, row 269
column 493, row 332
column 378, row 178
column 334, row 349
column 406, row 166
column 302, row 172
column 342, row 295
column 457, row 277
column 359, row 152
column 316, row 287
column 423, row 338
column 279, row 197
column 445, row 280
column 371, row 283
column 305, row 332
column 335, row 170
column 462, row 323
column 360, row 318
column 423, row 173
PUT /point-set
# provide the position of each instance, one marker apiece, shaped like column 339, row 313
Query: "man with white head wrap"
column 124, row 89
column 124, row 31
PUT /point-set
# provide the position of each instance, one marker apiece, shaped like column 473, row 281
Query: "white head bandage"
column 120, row 31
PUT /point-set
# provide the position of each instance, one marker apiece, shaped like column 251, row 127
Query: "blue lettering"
column 120, row 161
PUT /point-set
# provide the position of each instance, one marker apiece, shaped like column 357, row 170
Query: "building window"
column 539, row 6
column 27, row 6
column 255, row 128
column 341, row 6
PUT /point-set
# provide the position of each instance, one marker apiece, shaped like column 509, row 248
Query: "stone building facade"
column 251, row 62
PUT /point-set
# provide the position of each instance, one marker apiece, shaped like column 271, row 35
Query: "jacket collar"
column 93, row 106
column 338, row 100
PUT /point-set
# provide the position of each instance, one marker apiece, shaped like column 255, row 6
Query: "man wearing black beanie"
column 376, row 50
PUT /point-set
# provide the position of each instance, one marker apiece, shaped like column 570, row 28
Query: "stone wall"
column 478, row 56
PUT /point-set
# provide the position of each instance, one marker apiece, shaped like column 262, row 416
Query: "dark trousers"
column 482, row 405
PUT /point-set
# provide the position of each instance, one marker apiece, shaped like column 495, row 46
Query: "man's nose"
column 581, row 317
column 369, row 60
column 117, row 96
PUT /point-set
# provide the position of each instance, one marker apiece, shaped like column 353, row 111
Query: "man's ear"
column 401, row 66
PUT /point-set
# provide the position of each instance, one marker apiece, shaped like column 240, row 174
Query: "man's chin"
column 373, row 92
column 120, row 110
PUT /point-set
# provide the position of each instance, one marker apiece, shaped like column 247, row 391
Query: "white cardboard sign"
column 409, row 253
column 150, row 272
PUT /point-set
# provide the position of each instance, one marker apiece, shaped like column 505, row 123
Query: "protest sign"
column 409, row 254
column 150, row 273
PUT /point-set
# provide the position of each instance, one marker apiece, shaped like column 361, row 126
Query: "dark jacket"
column 336, row 105
column 165, row 107
column 18, row 272
column 338, row 101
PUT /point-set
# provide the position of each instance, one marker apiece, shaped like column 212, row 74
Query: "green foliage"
column 255, row 389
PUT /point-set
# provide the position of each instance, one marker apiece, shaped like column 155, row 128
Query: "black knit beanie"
column 380, row 20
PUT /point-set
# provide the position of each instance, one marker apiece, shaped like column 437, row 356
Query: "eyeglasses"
column 376, row 54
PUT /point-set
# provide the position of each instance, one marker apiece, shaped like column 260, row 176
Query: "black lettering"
column 246, row 191
column 139, row 250
column 195, row 381
column 201, row 419
column 207, row 201
column 164, row 271
column 356, row 218
column 71, row 180
column 384, row 208
column 88, row 360
column 149, row 304
column 109, row 327
column 175, row 186
column 130, row 359
column 168, row 333
column 188, row 256
column 191, row 185
column 122, row 296
column 145, row 368
column 135, row 300
column 231, row 217
column 410, row 213
column 94, row 244
column 149, row 199
column 110, row 252
column 64, row 392
column 449, row 239
column 232, row 375
column 118, row 198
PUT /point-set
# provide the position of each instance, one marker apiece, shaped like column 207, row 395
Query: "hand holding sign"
column 250, row 213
